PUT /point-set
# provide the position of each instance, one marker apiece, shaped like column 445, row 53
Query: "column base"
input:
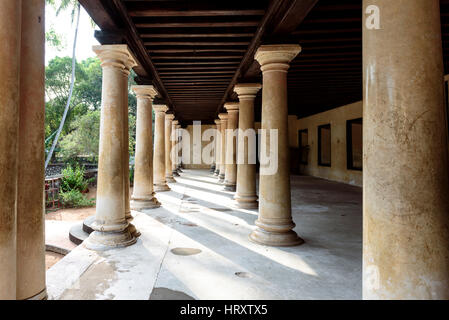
column 222, row 177
column 229, row 186
column 40, row 296
column 175, row 173
column 133, row 230
column 161, row 187
column 212, row 169
column 275, row 239
column 170, row 179
column 216, row 173
column 101, row 241
column 246, row 202
column 144, row 204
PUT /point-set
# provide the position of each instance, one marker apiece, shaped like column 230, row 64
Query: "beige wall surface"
column 337, row 119
column 191, row 146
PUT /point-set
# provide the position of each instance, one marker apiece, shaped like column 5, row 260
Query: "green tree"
column 57, row 85
column 76, row 8
column 83, row 138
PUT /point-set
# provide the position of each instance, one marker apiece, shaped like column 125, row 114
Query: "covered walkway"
column 196, row 246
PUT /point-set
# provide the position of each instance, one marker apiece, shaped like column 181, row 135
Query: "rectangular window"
column 303, row 138
column 324, row 145
column 354, row 143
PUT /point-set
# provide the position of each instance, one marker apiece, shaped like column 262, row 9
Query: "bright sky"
column 62, row 24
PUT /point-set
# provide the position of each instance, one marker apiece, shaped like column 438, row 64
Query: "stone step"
column 76, row 234
column 87, row 224
column 79, row 232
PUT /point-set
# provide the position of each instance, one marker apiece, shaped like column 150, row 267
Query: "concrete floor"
column 196, row 247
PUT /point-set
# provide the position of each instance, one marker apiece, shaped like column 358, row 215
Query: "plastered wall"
column 337, row 119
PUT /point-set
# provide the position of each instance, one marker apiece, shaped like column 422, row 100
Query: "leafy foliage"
column 75, row 199
column 83, row 139
column 73, row 179
column 72, row 187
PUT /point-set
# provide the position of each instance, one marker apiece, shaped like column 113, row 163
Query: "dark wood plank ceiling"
column 195, row 51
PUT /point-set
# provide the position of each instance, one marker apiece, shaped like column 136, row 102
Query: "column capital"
column 169, row 117
column 115, row 55
column 276, row 57
column 247, row 91
column 160, row 108
column 144, row 91
column 223, row 116
column 129, row 64
column 175, row 122
column 231, row 106
column 217, row 121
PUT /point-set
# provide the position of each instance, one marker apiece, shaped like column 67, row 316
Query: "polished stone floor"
column 196, row 246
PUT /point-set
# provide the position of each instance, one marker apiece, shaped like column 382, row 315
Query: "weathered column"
column 214, row 152
column 405, row 165
column 275, row 222
column 30, row 200
column 160, row 184
column 178, row 148
column 168, row 144
column 174, row 148
column 231, row 142
column 126, row 72
column 110, row 225
column 246, row 195
column 143, row 194
column 217, row 148
column 10, row 21
column 224, row 123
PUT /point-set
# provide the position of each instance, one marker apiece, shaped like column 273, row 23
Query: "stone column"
column 126, row 72
column 160, row 184
column 405, row 165
column 178, row 148
column 275, row 222
column 214, row 152
column 110, row 225
column 231, row 142
column 10, row 21
column 143, row 194
column 30, row 200
column 174, row 148
column 246, row 195
column 168, row 148
column 223, row 117
column 217, row 148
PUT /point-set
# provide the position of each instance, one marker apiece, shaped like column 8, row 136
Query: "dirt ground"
column 74, row 214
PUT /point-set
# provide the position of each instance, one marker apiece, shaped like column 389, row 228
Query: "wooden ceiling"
column 195, row 51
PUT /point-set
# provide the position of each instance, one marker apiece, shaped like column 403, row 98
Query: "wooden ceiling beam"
column 221, row 50
column 194, row 57
column 198, row 24
column 196, row 43
column 197, row 72
column 192, row 13
column 195, row 35
column 197, row 63
column 198, row 68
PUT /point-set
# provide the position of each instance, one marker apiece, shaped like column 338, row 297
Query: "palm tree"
column 75, row 7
